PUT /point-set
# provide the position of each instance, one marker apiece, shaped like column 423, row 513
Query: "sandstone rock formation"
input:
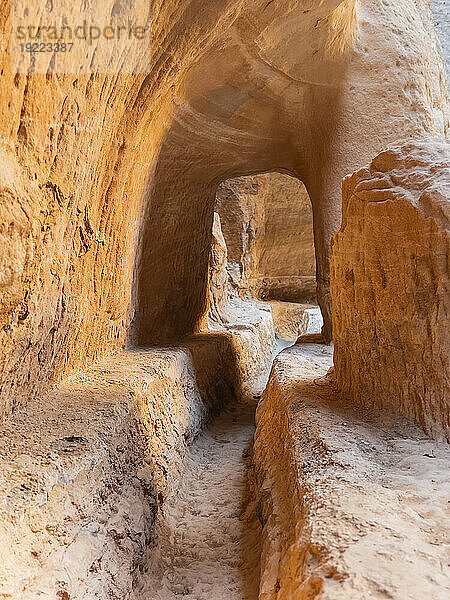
column 268, row 229
column 291, row 320
column 310, row 89
column 84, row 469
column 219, row 288
column 352, row 500
column 110, row 165
column 390, row 285
column 248, row 325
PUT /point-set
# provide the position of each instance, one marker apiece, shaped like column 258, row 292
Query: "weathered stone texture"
column 108, row 181
column 84, row 470
column 268, row 229
column 291, row 320
column 107, row 191
column 390, row 285
column 352, row 500
column 246, row 327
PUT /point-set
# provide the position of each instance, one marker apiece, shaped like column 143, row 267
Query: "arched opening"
column 266, row 222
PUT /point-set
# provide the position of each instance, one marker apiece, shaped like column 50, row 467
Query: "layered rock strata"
column 108, row 180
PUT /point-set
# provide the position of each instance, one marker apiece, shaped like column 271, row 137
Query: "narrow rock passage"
column 208, row 533
column 208, row 544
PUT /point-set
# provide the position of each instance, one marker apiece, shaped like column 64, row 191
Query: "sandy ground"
column 208, row 540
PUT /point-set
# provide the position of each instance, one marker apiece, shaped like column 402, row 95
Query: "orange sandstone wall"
column 77, row 152
column 390, row 285
column 268, row 227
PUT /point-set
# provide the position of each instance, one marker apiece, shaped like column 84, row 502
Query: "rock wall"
column 390, row 285
column 108, row 178
column 268, row 229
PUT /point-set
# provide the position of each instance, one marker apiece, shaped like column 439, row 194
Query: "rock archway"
column 287, row 88
column 280, row 261
column 246, row 87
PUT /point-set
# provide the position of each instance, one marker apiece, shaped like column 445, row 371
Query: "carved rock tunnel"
column 133, row 354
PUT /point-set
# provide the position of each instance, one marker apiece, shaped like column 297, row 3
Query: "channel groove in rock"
column 208, row 541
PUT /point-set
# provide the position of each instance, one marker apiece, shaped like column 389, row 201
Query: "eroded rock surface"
column 108, row 192
column 291, row 320
column 107, row 189
column 208, row 533
column 390, row 285
column 83, row 471
column 353, row 501
column 247, row 324
column 268, row 229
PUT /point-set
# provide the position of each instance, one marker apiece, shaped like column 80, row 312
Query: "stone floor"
column 208, row 535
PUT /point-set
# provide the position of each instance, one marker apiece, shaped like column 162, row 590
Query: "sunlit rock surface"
column 352, row 500
column 390, row 285
column 84, row 470
column 268, row 229
column 108, row 185
column 108, row 181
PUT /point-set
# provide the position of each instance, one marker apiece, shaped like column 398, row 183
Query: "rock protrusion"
column 390, row 285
